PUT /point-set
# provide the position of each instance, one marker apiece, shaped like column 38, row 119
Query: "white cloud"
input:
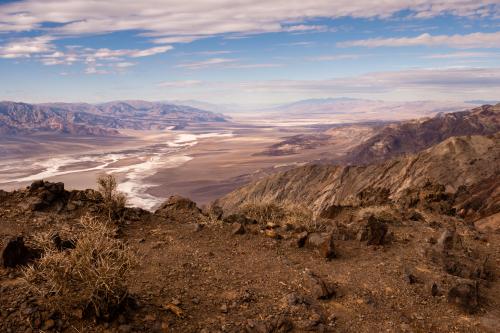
column 335, row 57
column 473, row 40
column 306, row 28
column 206, row 63
column 179, row 21
column 460, row 55
column 125, row 64
column 150, row 52
column 225, row 63
column 26, row 47
column 105, row 53
column 429, row 83
column 180, row 84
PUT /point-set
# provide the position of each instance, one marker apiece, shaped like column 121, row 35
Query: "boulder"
column 179, row 209
column 320, row 289
column 63, row 244
column 322, row 243
column 373, row 231
column 177, row 202
column 16, row 253
column 45, row 195
column 465, row 294
column 238, row 229
column 301, row 239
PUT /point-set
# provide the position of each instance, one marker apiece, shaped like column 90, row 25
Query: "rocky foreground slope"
column 97, row 120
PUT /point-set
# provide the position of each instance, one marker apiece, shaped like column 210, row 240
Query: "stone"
column 272, row 234
column 16, row 253
column 322, row 243
column 320, row 289
column 374, row 231
column 301, row 239
column 197, row 227
column 291, row 299
column 48, row 324
column 435, row 290
column 63, row 244
column 238, row 229
column 465, row 294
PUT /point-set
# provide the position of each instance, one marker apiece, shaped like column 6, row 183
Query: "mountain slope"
column 415, row 135
column 466, row 166
column 100, row 119
column 22, row 118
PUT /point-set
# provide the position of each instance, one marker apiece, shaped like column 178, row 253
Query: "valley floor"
column 203, row 162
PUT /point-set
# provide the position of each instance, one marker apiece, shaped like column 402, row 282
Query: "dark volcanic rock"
column 46, row 195
column 320, row 289
column 466, row 295
column 374, row 231
column 321, row 243
column 179, row 209
column 16, row 253
column 63, row 244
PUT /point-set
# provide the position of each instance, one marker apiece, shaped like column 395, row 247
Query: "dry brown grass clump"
column 281, row 213
column 89, row 278
column 114, row 201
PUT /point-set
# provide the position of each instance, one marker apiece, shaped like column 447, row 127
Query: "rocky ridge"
column 458, row 173
column 97, row 120
column 416, row 135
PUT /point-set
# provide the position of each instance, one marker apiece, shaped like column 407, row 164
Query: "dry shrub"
column 282, row 213
column 114, row 201
column 88, row 278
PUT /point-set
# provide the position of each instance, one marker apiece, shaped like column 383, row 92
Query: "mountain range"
column 98, row 119
column 415, row 135
column 456, row 155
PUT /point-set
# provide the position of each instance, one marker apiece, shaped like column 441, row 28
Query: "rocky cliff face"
column 97, row 120
column 413, row 136
column 21, row 118
column 461, row 172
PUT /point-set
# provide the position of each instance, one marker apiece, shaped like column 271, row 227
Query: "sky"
column 252, row 52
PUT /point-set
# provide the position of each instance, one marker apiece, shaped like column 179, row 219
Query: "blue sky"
column 249, row 52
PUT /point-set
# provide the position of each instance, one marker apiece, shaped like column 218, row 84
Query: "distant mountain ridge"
column 416, row 135
column 97, row 119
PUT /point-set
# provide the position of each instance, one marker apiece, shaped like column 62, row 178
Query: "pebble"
column 48, row 324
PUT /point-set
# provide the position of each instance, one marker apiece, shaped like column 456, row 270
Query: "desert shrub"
column 282, row 213
column 88, row 278
column 114, row 201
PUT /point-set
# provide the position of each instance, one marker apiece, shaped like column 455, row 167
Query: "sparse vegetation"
column 114, row 201
column 88, row 278
column 270, row 212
